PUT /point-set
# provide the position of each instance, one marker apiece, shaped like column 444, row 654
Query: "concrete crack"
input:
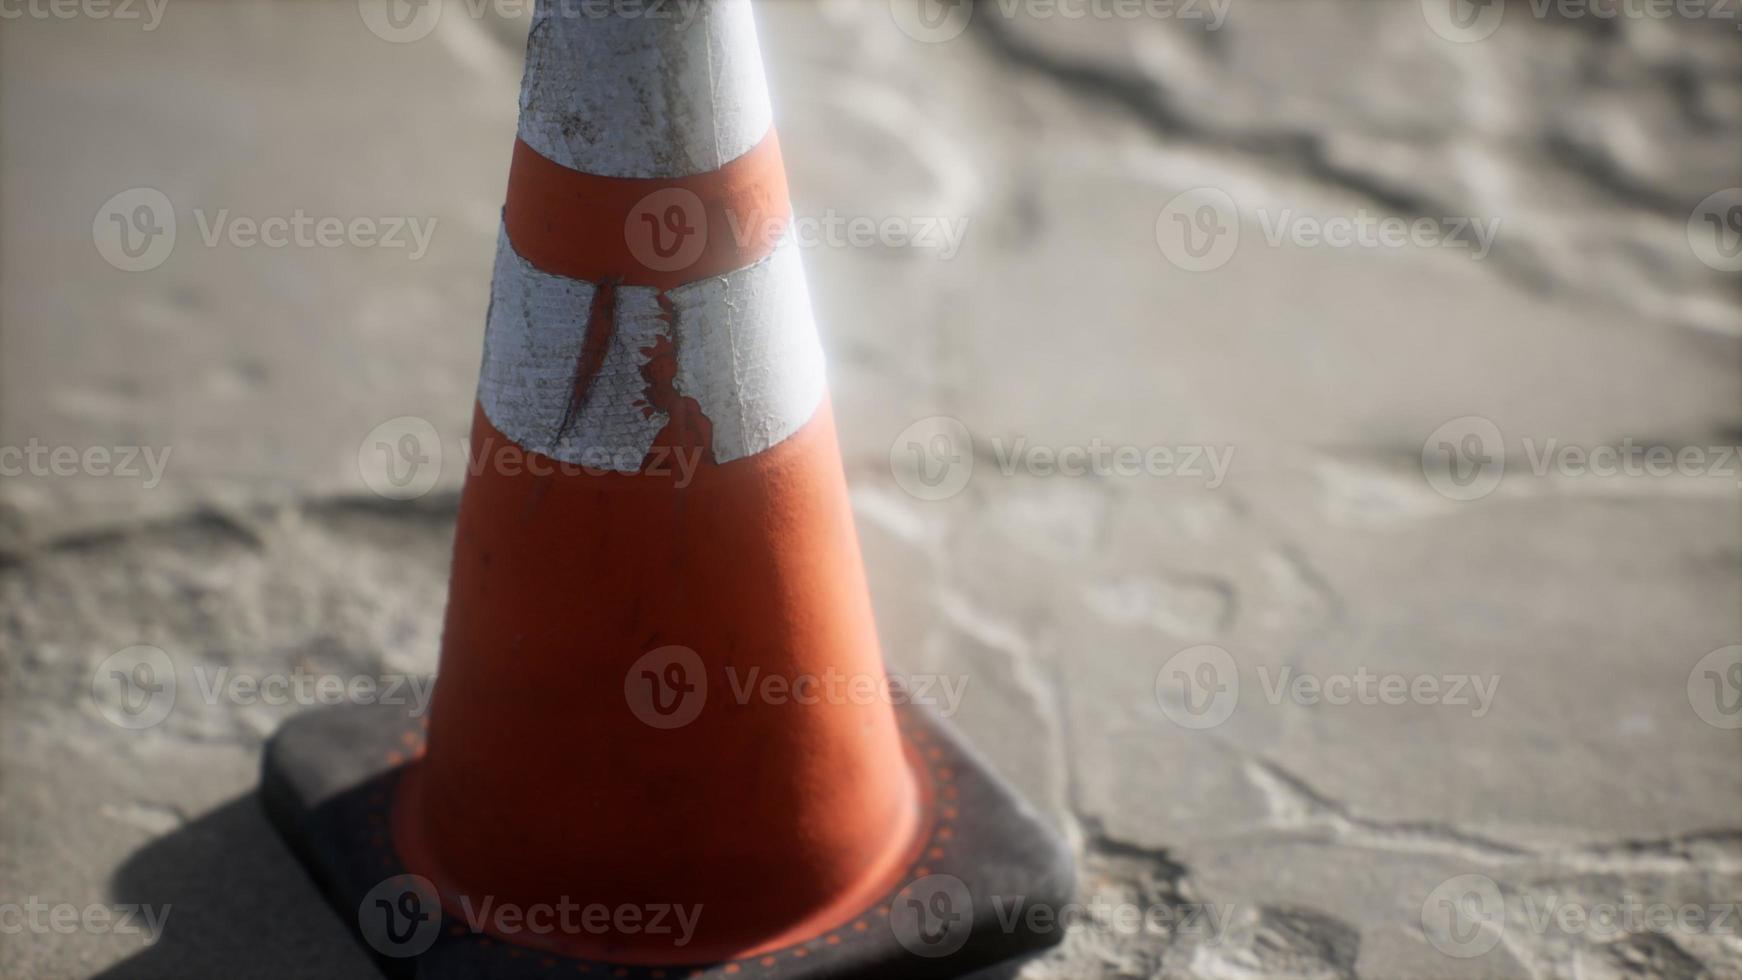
column 1296, row 806
column 1143, row 98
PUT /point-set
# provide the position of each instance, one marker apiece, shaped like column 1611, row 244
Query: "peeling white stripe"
column 643, row 96
column 747, row 352
column 532, row 347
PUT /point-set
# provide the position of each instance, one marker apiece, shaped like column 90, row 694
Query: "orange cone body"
column 654, row 526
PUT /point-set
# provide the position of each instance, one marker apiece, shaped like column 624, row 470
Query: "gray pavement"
column 1379, row 670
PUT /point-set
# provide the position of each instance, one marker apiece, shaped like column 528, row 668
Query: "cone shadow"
column 240, row 905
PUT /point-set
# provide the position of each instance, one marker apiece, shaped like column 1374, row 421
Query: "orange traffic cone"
column 662, row 735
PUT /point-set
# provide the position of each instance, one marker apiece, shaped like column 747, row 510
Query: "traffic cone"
column 662, row 735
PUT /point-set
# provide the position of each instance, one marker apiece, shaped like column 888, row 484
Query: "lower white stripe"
column 746, row 349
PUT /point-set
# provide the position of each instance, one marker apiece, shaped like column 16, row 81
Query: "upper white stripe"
column 747, row 352
column 666, row 95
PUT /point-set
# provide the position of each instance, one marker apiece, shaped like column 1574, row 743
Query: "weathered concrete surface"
column 1307, row 839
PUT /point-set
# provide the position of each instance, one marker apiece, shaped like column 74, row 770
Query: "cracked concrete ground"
column 1557, row 794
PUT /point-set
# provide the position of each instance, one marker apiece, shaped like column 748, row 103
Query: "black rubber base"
column 974, row 903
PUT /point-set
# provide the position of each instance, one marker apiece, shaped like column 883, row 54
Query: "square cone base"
column 974, row 904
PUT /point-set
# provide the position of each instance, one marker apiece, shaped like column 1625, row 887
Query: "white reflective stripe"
column 670, row 94
column 532, row 347
column 747, row 352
